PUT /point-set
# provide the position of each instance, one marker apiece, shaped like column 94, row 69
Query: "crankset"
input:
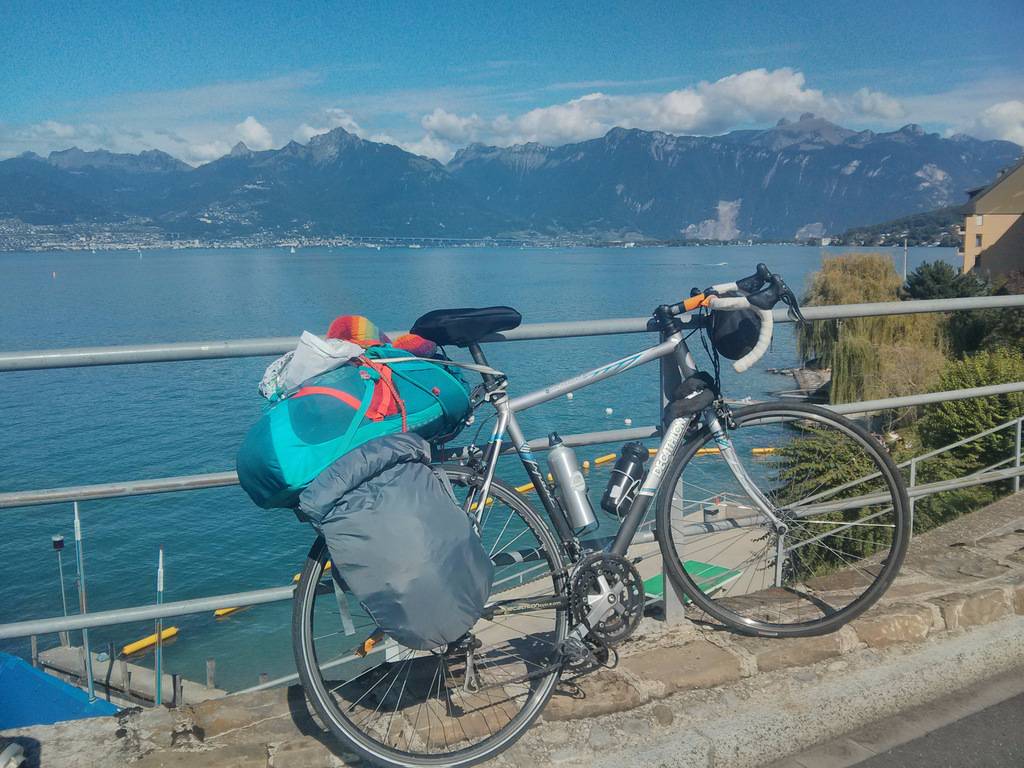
column 606, row 596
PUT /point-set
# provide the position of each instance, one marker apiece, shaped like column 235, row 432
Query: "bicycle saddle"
column 466, row 325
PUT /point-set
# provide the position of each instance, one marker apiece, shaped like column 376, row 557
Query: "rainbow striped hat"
column 358, row 329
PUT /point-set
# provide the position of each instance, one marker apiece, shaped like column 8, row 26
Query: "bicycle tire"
column 807, row 413
column 350, row 737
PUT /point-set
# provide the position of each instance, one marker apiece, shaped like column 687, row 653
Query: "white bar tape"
column 728, row 303
column 725, row 287
column 764, row 339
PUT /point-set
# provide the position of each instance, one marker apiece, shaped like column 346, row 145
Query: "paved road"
column 992, row 738
column 978, row 726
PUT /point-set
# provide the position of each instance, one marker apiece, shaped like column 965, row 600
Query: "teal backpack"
column 303, row 433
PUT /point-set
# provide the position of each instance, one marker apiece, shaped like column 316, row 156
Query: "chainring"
column 626, row 596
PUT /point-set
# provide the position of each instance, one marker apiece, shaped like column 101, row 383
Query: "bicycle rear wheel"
column 451, row 706
column 839, row 496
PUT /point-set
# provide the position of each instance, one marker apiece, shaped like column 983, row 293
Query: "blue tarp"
column 29, row 696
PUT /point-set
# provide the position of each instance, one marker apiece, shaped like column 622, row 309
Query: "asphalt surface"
column 992, row 738
column 978, row 725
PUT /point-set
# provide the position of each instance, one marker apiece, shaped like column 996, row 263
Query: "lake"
column 78, row 426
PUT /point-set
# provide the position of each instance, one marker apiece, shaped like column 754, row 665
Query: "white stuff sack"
column 310, row 358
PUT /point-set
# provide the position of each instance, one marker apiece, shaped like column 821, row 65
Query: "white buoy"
column 608, row 411
column 568, row 395
column 627, row 422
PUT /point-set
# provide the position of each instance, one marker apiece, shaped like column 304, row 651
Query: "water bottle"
column 625, row 479
column 570, row 486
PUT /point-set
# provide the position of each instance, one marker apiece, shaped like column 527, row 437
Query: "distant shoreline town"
column 17, row 236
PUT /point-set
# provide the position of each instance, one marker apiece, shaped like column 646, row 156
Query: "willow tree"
column 870, row 357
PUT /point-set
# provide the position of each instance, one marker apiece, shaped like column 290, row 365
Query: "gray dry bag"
column 399, row 541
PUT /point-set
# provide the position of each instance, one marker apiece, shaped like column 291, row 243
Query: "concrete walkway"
column 683, row 697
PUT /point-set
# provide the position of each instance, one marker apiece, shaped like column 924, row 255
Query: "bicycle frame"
column 673, row 345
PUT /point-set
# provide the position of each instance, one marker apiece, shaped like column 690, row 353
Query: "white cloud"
column 58, row 130
column 200, row 124
column 254, row 134
column 869, row 103
column 207, row 151
column 429, row 146
column 331, row 118
column 1004, row 120
column 757, row 95
column 452, row 127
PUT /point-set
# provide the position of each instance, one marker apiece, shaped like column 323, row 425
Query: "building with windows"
column 993, row 230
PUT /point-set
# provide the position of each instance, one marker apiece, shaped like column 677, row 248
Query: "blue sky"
column 192, row 79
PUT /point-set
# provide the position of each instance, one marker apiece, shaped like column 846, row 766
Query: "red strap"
column 386, row 400
column 337, row 394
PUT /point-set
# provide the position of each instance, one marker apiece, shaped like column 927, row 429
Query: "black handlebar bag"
column 734, row 332
column 399, row 541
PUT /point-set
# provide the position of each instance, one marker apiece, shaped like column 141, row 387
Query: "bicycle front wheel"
column 842, row 531
column 451, row 706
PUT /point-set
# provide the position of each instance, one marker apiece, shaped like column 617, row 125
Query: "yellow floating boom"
column 762, row 451
column 297, row 576
column 525, row 487
column 708, row 451
column 604, row 459
column 226, row 611
column 146, row 642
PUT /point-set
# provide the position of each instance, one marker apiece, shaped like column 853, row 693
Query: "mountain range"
column 797, row 179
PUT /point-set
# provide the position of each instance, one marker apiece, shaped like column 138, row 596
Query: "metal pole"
column 211, row 673
column 126, row 679
column 83, row 603
column 913, row 482
column 58, row 545
column 158, row 696
column 34, row 641
column 672, row 602
column 904, row 259
column 1016, row 458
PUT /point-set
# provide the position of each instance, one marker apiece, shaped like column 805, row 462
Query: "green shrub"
column 945, row 423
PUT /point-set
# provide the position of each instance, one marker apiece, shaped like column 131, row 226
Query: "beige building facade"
column 993, row 230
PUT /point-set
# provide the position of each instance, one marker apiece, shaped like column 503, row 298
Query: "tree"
column 870, row 356
column 939, row 280
column 1007, row 330
column 968, row 332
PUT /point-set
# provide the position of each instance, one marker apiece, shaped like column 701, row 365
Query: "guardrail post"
column 211, row 673
column 177, row 687
column 159, row 626
column 1016, row 458
column 913, row 481
column 672, row 602
column 35, row 651
column 126, row 679
column 83, row 603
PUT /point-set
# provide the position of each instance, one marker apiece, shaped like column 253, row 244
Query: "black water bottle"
column 625, row 480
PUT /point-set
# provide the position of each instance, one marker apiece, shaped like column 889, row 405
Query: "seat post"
column 477, row 353
column 480, row 359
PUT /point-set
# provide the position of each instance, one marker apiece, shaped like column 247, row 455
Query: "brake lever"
column 793, row 308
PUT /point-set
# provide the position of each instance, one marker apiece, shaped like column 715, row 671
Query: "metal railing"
column 183, row 351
